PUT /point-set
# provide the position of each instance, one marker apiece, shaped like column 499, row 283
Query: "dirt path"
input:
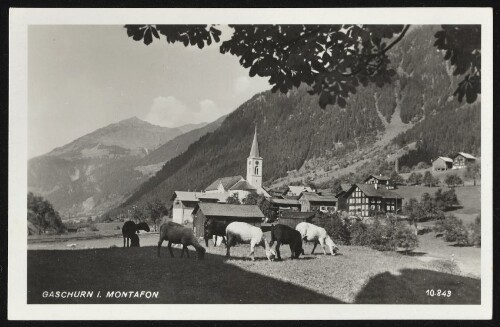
column 468, row 259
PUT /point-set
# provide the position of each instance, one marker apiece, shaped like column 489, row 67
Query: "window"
column 256, row 170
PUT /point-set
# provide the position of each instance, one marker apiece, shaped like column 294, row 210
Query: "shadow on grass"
column 410, row 286
column 178, row 280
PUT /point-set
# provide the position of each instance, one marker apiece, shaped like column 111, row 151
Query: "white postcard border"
column 18, row 309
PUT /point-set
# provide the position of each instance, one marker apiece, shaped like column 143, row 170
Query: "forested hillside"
column 292, row 129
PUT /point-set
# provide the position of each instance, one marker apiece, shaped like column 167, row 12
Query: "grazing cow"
column 134, row 240
column 316, row 234
column 284, row 234
column 130, row 228
column 215, row 228
column 178, row 234
column 239, row 232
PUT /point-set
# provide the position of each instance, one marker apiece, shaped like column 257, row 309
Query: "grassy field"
column 358, row 275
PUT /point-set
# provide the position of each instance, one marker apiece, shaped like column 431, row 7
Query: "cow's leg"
column 170, row 249
column 224, row 240
column 182, row 252
column 228, row 245
column 206, row 241
column 123, row 240
column 159, row 246
column 291, row 251
column 278, row 254
column 322, row 243
column 314, row 247
column 252, row 250
column 187, row 251
column 215, row 242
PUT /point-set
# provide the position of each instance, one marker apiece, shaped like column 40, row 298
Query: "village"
column 291, row 205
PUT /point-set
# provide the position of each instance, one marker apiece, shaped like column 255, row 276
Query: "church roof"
column 227, row 183
column 254, row 152
column 242, row 186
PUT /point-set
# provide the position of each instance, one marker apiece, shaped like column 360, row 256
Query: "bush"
column 453, row 230
column 475, row 232
column 422, row 165
column 383, row 237
column 335, row 226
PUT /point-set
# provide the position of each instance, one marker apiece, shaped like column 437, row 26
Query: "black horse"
column 215, row 228
column 130, row 228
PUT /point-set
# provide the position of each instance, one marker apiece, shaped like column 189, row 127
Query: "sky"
column 81, row 78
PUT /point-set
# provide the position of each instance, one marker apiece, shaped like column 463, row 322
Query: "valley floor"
column 358, row 275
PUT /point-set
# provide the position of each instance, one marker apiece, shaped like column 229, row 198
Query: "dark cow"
column 284, row 234
column 134, row 241
column 215, row 228
column 130, row 228
column 178, row 234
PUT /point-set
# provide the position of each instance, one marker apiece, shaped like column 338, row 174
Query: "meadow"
column 356, row 275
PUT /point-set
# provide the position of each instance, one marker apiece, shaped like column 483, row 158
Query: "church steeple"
column 254, row 164
column 254, row 152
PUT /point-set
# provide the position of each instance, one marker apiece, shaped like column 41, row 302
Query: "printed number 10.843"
column 444, row 293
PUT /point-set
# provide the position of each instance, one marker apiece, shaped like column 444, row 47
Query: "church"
column 237, row 184
column 183, row 203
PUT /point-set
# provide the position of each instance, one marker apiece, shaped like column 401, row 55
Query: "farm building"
column 462, row 159
column 279, row 205
column 380, row 180
column 363, row 198
column 315, row 202
column 226, row 213
column 442, row 163
column 292, row 218
column 298, row 190
column 183, row 203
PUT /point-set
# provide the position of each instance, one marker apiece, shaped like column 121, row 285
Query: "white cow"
column 239, row 232
column 316, row 234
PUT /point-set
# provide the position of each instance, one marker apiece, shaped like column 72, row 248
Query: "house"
column 315, row 202
column 381, row 181
column 237, row 184
column 298, row 190
column 183, row 203
column 362, row 199
column 341, row 199
column 293, row 218
column 225, row 213
column 279, row 205
column 462, row 159
column 442, row 163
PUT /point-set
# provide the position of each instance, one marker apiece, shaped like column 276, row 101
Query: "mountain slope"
column 96, row 171
column 293, row 131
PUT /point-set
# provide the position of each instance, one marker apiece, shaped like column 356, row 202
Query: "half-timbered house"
column 364, row 199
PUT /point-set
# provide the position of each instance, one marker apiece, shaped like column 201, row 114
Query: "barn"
column 226, row 213
column 315, row 202
column 292, row 218
column 381, row 180
column 442, row 163
column 279, row 205
column 183, row 203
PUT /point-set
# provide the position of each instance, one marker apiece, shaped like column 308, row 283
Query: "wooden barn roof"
column 379, row 177
column 285, row 201
column 314, row 197
column 229, row 210
column 465, row 155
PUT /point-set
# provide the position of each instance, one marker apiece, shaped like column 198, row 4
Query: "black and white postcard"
column 250, row 164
